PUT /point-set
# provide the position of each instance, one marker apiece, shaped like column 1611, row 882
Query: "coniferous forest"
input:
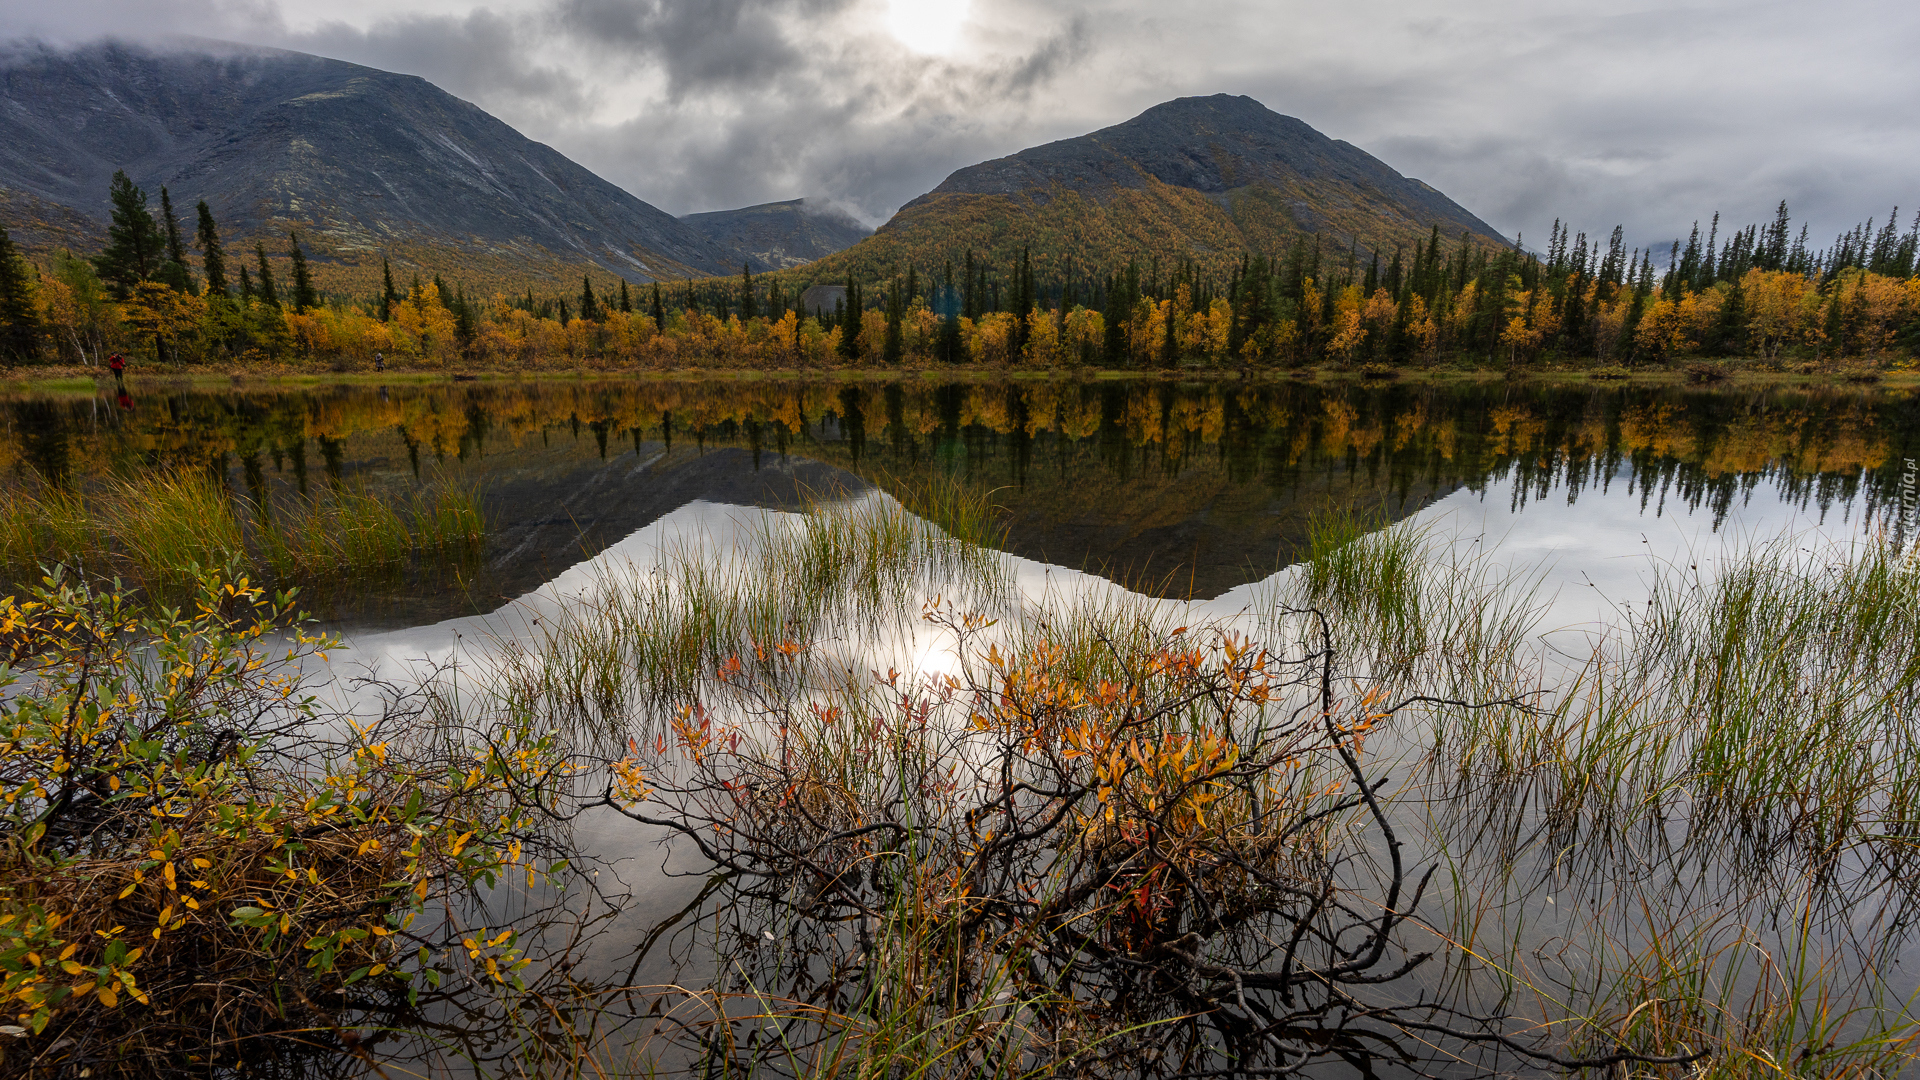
column 1761, row 293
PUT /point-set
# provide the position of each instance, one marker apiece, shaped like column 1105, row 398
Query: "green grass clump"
column 448, row 518
column 154, row 531
column 856, row 569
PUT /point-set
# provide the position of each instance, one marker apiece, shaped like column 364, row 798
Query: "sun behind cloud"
column 928, row 26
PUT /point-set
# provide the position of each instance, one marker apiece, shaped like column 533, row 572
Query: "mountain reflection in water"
column 1178, row 490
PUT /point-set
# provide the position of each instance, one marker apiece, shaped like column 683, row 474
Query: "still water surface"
column 1196, row 494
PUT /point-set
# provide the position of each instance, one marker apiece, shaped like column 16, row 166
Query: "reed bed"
column 1773, row 693
column 1681, row 855
column 157, row 531
column 1775, row 696
column 857, row 569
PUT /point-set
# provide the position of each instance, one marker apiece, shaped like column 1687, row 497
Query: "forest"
column 1758, row 293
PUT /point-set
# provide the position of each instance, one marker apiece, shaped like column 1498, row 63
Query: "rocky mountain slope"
column 1201, row 178
column 364, row 162
column 780, row 235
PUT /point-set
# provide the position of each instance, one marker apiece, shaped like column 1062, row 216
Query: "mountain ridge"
column 363, row 161
column 1206, row 179
column 780, row 235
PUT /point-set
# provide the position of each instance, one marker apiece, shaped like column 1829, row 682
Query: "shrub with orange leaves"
column 1149, row 847
column 189, row 860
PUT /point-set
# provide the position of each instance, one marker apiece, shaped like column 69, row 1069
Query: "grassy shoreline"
column 85, row 381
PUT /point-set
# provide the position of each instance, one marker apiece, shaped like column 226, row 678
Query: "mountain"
column 780, row 235
column 1200, row 178
column 363, row 162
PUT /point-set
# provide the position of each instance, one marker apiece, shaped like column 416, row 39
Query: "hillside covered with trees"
column 1199, row 180
column 167, row 289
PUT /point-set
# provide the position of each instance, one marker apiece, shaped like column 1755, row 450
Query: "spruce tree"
column 173, row 270
column 304, row 298
column 746, row 292
column 1118, row 308
column 19, row 322
column 589, row 307
column 893, row 348
column 246, row 286
column 269, row 295
column 212, row 259
column 134, row 246
column 466, row 321
column 626, row 302
column 1170, row 346
column 850, row 323
column 659, row 310
column 388, row 297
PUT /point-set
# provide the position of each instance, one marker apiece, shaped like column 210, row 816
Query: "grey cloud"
column 1648, row 114
column 481, row 56
column 701, row 44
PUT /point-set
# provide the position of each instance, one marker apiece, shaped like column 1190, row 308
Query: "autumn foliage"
column 191, row 855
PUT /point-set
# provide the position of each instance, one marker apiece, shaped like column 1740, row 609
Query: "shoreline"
column 80, row 380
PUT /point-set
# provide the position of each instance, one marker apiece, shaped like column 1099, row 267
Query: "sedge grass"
column 155, row 530
column 1775, row 696
column 1760, row 710
column 857, row 569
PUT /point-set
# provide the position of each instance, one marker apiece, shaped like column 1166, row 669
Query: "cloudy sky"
column 1647, row 114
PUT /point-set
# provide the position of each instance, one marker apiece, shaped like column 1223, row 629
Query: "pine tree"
column 269, row 295
column 466, row 321
column 389, row 297
column 176, row 251
column 626, row 301
column 173, row 270
column 659, row 309
column 1773, row 245
column 246, row 286
column 893, row 348
column 304, row 298
column 850, row 323
column 951, row 347
column 1170, row 345
column 212, row 259
column 589, row 307
column 134, row 246
column 19, row 322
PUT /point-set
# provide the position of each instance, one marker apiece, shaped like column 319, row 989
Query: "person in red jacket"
column 118, row 365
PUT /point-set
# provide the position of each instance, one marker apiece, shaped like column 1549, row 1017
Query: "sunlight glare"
column 927, row 26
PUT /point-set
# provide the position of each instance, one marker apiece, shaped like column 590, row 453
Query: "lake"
column 1606, row 509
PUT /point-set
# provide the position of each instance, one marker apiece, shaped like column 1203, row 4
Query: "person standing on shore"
column 118, row 365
